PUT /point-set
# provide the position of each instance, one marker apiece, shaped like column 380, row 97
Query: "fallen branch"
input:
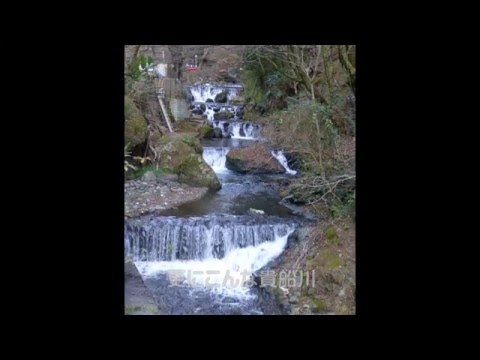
column 331, row 188
column 302, row 255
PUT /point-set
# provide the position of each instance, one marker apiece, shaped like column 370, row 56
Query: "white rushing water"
column 226, row 275
column 201, row 93
column 216, row 158
column 283, row 161
column 238, row 129
column 248, row 130
column 209, row 113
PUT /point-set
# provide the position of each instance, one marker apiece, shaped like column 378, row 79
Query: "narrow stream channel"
column 197, row 258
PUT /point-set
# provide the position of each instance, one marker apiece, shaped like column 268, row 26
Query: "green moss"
column 331, row 259
column 151, row 308
column 172, row 150
column 311, row 264
column 335, row 262
column 194, row 171
column 221, row 115
column 193, row 142
column 182, row 153
column 278, row 293
column 186, row 126
column 136, row 131
column 206, row 131
column 190, row 163
column 250, row 114
column 330, row 233
column 319, row 305
column 332, row 236
column 221, row 97
column 130, row 310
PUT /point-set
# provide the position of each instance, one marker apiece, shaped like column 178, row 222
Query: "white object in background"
column 161, row 70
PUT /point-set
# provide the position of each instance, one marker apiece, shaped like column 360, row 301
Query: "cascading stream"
column 216, row 158
column 283, row 161
column 213, row 250
column 204, row 92
column 199, row 238
column 222, row 250
column 238, row 129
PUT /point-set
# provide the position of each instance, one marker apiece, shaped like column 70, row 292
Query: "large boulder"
column 206, row 132
column 196, row 172
column 253, row 159
column 217, row 133
column 222, row 115
column 221, row 97
column 136, row 131
column 181, row 153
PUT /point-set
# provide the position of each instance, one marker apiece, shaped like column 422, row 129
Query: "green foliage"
column 331, row 258
column 344, row 206
column 265, row 86
column 205, row 131
column 139, row 83
column 332, row 236
column 142, row 61
column 130, row 310
column 331, row 233
column 306, row 128
column 136, row 130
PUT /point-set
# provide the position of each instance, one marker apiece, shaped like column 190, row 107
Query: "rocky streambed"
column 152, row 194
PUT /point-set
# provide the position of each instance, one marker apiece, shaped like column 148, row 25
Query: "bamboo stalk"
column 165, row 114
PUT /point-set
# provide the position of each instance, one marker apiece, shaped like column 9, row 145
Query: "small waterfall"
column 199, row 238
column 221, row 250
column 201, row 93
column 216, row 158
column 209, row 112
column 238, row 129
column 283, row 161
column 203, row 100
column 245, row 130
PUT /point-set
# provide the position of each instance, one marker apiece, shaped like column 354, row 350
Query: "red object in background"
column 192, row 68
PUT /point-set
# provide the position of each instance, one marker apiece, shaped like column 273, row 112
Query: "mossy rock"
column 206, row 132
column 173, row 149
column 195, row 172
column 136, row 131
column 182, row 152
column 192, row 141
column 223, row 115
column 253, row 159
column 221, row 97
